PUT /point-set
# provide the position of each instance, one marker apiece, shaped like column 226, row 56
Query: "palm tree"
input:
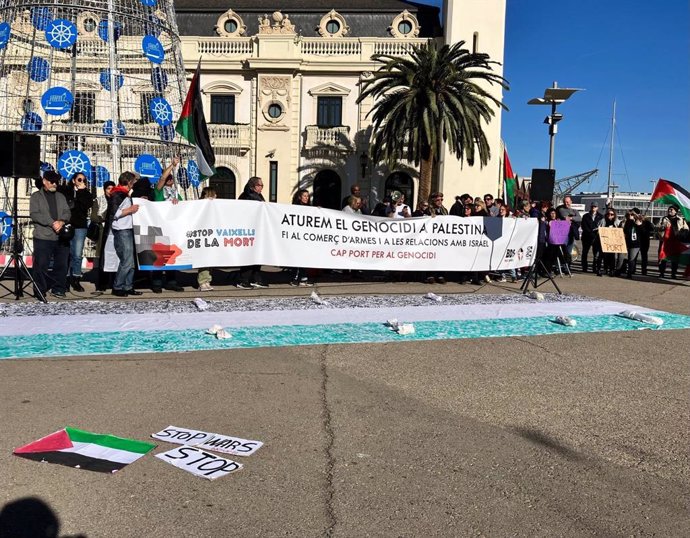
column 435, row 96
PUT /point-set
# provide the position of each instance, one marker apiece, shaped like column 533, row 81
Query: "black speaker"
column 541, row 187
column 20, row 155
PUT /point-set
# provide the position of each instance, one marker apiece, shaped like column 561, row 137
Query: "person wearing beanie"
column 50, row 213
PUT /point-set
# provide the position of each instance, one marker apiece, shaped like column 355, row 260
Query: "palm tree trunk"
column 426, row 169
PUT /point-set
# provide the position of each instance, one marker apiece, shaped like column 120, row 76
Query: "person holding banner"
column 204, row 275
column 250, row 275
column 354, row 205
column 120, row 210
column 165, row 190
column 299, row 277
column 436, row 208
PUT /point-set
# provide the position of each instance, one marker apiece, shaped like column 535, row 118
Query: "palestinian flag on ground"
column 192, row 127
column 667, row 192
column 511, row 180
column 85, row 450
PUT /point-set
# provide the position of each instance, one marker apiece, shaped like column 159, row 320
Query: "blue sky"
column 634, row 51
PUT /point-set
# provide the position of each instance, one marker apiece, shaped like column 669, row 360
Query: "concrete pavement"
column 577, row 435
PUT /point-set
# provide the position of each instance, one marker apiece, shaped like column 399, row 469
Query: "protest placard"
column 558, row 232
column 226, row 444
column 199, row 463
column 612, row 240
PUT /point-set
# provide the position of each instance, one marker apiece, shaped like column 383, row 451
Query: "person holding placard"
column 610, row 220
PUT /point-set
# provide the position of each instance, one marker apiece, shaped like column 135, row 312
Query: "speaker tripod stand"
column 22, row 276
column 532, row 278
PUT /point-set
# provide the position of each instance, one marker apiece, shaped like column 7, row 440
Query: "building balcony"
column 230, row 135
column 334, row 138
column 311, row 50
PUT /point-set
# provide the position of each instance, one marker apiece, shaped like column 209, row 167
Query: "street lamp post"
column 553, row 96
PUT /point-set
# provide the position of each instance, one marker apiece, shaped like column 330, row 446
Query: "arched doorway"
column 224, row 182
column 327, row 186
column 400, row 181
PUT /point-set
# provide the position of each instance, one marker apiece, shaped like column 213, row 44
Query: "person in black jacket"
column 589, row 224
column 299, row 275
column 250, row 275
column 632, row 229
column 610, row 220
column 80, row 201
column 645, row 238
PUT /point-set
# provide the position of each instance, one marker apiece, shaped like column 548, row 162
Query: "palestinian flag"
column 192, row 127
column 667, row 192
column 85, row 450
column 675, row 250
column 511, row 180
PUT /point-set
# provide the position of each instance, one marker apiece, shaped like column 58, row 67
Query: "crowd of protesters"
column 65, row 214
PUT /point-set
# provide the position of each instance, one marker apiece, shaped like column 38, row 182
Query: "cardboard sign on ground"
column 210, row 441
column 199, row 462
column 612, row 240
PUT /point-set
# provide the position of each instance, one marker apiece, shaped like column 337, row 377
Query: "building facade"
column 281, row 83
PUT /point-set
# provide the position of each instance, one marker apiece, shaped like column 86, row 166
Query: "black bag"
column 66, row 233
column 93, row 231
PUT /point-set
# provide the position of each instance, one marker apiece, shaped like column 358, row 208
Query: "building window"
column 144, row 107
column 405, row 27
column 223, row 109
column 332, row 27
column 275, row 111
column 333, row 24
column 230, row 24
column 330, row 112
column 84, row 107
column 273, row 181
column 90, row 25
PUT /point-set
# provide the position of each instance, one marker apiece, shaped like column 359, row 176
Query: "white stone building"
column 281, row 81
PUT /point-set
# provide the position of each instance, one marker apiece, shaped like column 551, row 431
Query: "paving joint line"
column 328, row 446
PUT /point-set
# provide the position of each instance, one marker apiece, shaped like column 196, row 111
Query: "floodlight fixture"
column 553, row 96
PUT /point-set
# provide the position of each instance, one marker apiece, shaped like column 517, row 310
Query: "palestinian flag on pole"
column 192, row 126
column 667, row 192
column 510, row 179
column 85, row 450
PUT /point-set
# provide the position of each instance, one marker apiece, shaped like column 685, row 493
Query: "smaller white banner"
column 199, row 463
column 226, row 444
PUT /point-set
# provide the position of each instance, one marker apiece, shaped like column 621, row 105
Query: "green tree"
column 434, row 96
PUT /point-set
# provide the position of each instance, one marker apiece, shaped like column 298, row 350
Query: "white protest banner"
column 231, row 233
column 199, row 463
column 211, row 441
